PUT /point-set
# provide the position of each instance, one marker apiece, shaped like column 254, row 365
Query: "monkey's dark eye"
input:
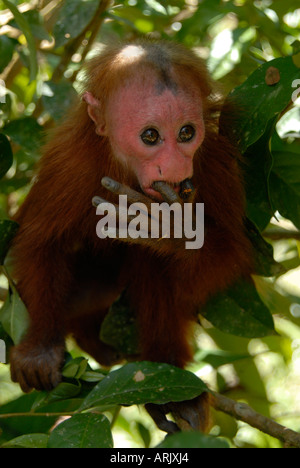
column 186, row 134
column 150, row 136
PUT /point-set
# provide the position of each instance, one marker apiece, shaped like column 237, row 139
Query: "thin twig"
column 244, row 413
column 29, row 415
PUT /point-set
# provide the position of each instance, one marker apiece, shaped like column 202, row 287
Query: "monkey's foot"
column 189, row 414
column 36, row 367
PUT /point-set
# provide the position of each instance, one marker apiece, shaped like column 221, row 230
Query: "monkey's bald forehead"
column 154, row 57
column 130, row 53
column 151, row 53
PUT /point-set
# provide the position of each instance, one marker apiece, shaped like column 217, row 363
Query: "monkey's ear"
column 93, row 109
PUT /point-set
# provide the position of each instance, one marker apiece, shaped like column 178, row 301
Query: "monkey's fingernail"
column 96, row 201
column 109, row 183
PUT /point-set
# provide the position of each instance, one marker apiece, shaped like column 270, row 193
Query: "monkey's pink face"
column 156, row 132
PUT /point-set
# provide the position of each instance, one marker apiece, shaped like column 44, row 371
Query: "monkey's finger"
column 105, row 205
column 18, row 377
column 46, row 378
column 120, row 189
column 158, row 415
column 121, row 214
column 33, row 379
column 97, row 201
column 194, row 412
column 166, row 191
column 52, row 380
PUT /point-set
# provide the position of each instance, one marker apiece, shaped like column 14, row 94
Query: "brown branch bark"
column 243, row 412
column 281, row 234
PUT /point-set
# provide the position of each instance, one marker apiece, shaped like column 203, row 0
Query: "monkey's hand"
column 161, row 226
column 36, row 366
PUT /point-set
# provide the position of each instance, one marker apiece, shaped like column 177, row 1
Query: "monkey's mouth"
column 161, row 190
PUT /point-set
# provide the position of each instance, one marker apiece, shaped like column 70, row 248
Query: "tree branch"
column 280, row 234
column 243, row 412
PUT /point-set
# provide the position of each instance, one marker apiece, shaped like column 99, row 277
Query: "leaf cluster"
column 41, row 52
column 84, row 397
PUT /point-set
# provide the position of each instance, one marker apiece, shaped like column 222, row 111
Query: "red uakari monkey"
column 146, row 123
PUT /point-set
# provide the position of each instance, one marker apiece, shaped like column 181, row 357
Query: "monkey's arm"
column 44, row 276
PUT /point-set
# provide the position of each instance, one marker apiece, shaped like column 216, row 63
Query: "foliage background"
column 42, row 47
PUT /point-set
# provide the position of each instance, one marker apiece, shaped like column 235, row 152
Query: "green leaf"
column 25, row 28
column 92, row 376
column 79, row 369
column 240, row 311
column 6, row 155
column 144, row 434
column 285, row 179
column 57, row 98
column 82, row 431
column 75, row 368
column 144, row 382
column 25, row 132
column 14, row 316
column 218, row 357
column 182, row 440
column 36, row 23
column 256, row 168
column 265, row 265
column 73, row 17
column 7, row 46
column 8, row 230
column 17, row 426
column 63, row 391
column 159, row 16
column 28, row 441
column 262, row 102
